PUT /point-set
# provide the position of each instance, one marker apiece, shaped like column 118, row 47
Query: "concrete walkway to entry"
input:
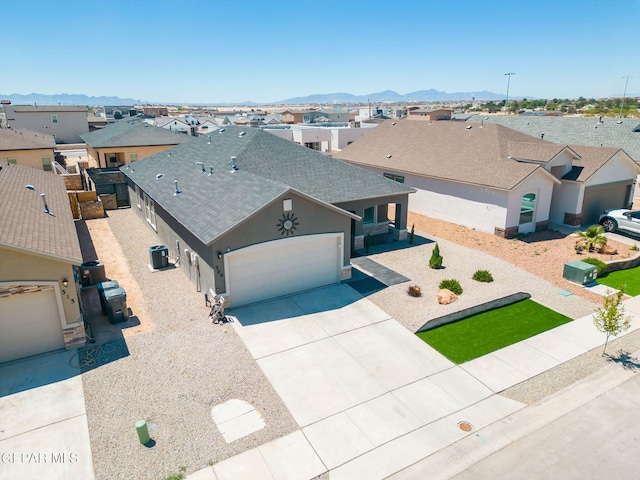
column 370, row 397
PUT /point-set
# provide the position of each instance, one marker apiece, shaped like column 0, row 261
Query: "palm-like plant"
column 593, row 237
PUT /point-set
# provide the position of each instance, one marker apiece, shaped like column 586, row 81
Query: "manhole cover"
column 465, row 426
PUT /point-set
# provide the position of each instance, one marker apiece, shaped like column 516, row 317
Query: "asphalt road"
column 598, row 440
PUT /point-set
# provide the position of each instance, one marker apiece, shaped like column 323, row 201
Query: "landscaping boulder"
column 446, row 297
column 608, row 250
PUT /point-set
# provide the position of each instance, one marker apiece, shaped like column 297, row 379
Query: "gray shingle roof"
column 585, row 131
column 22, row 139
column 268, row 167
column 132, row 134
column 451, row 151
column 23, row 221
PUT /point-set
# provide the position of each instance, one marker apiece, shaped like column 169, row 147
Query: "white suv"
column 620, row 219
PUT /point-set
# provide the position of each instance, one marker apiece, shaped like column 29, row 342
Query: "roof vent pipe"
column 210, row 170
column 175, row 183
column 542, row 136
column 46, row 207
column 202, row 170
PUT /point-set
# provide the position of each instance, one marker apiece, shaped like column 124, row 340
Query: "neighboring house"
column 125, row 142
column 297, row 116
column 493, row 178
column 320, row 138
column 27, row 148
column 156, row 111
column 175, row 124
column 588, row 131
column 427, row 115
column 96, row 122
column 39, row 250
column 260, row 217
column 66, row 124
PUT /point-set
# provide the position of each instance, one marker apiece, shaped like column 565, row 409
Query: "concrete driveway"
column 43, row 422
column 370, row 397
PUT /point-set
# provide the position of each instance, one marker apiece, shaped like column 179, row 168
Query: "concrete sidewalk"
column 370, row 397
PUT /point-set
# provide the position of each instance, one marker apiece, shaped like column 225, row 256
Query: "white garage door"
column 281, row 267
column 29, row 324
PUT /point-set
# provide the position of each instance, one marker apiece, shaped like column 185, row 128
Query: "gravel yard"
column 180, row 366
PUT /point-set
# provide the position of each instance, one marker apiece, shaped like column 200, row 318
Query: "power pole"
column 624, row 94
column 506, row 102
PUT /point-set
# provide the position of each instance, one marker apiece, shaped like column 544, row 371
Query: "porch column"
column 400, row 229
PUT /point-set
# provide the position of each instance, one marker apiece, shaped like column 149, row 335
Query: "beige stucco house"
column 65, row 123
column 27, row 148
column 127, row 141
column 39, row 248
column 493, row 178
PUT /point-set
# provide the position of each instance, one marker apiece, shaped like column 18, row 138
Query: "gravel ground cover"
column 179, row 366
column 461, row 262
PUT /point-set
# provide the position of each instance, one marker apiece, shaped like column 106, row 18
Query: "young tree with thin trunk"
column 610, row 318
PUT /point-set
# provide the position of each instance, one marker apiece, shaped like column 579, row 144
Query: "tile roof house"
column 39, row 249
column 127, row 141
column 493, row 178
column 65, row 123
column 28, row 148
column 253, row 216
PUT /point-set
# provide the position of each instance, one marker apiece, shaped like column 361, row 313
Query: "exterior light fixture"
column 65, row 282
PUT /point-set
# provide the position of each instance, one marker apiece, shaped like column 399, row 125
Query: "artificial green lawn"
column 629, row 278
column 486, row 332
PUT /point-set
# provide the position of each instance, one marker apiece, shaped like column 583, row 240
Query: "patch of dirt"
column 108, row 251
column 542, row 253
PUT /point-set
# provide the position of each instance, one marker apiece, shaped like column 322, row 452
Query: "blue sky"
column 231, row 51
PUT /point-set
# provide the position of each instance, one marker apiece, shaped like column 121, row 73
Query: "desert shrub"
column 451, row 284
column 414, row 291
column 634, row 248
column 600, row 265
column 483, row 276
column 436, row 259
column 593, row 237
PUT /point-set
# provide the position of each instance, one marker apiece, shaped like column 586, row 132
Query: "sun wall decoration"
column 287, row 224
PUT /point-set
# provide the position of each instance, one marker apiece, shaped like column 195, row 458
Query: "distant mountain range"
column 66, row 99
column 326, row 98
column 391, row 96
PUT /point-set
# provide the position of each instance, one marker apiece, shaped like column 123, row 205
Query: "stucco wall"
column 475, row 207
column 68, row 129
column 615, row 170
column 100, row 157
column 341, row 137
column 28, row 158
column 19, row 266
column 565, row 200
column 537, row 183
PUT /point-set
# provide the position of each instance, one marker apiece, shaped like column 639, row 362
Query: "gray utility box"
column 159, row 256
column 115, row 300
column 580, row 272
column 102, row 286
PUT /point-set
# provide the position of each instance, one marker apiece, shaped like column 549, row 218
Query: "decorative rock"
column 608, row 250
column 446, row 297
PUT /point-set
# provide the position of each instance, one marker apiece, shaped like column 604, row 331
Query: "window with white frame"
column 527, row 208
column 139, row 197
column 150, row 211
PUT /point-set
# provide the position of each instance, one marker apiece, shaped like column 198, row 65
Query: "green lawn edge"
column 628, row 278
column 487, row 332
